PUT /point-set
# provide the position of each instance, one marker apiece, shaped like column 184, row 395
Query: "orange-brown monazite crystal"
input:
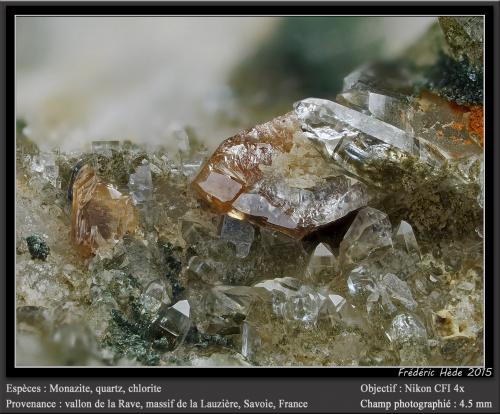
column 272, row 175
column 100, row 214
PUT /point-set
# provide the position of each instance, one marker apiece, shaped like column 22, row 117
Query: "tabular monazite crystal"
column 273, row 176
column 100, row 214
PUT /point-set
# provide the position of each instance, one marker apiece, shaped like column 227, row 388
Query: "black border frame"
column 254, row 9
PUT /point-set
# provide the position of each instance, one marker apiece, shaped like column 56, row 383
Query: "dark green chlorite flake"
column 37, row 247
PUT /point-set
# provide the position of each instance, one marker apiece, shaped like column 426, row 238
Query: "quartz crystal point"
column 405, row 238
column 408, row 336
column 141, row 184
column 370, row 230
column 322, row 265
column 239, row 233
column 101, row 215
column 273, row 176
column 339, row 311
column 175, row 320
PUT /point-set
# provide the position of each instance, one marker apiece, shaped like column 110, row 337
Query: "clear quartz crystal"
column 405, row 237
column 45, row 164
column 234, row 300
column 370, row 230
column 386, row 290
column 406, row 328
column 141, row 184
column 205, row 269
column 154, row 297
column 294, row 301
column 250, row 340
column 239, row 233
column 376, row 125
column 175, row 320
column 322, row 264
column 303, row 306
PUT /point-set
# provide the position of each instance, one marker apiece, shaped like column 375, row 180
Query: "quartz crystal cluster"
column 345, row 232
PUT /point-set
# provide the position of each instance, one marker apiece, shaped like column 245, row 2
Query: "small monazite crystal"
column 100, row 214
column 272, row 175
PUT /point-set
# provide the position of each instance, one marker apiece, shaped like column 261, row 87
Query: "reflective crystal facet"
column 45, row 164
column 370, row 230
column 175, row 320
column 141, row 184
column 101, row 215
column 154, row 297
column 239, row 233
column 250, row 340
column 405, row 238
column 322, row 265
column 272, row 176
column 294, row 301
column 386, row 290
column 375, row 127
column 227, row 306
column 406, row 329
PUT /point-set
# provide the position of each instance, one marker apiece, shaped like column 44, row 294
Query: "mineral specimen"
column 239, row 233
column 250, row 340
column 37, row 247
column 175, row 320
column 369, row 231
column 271, row 175
column 101, row 215
column 345, row 232
column 227, row 306
column 405, row 237
column 427, row 128
column 45, row 164
column 322, row 264
column 141, row 184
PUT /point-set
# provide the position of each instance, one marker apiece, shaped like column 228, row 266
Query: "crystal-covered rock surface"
column 345, row 232
column 464, row 36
